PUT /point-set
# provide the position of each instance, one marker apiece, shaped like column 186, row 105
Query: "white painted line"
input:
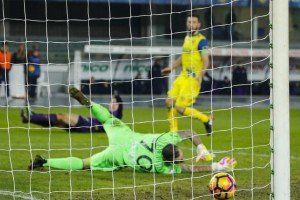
column 19, row 195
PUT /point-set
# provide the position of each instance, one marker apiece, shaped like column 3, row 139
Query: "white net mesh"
column 108, row 48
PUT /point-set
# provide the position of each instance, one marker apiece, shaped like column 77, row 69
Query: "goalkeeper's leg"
column 70, row 163
column 79, row 96
column 101, row 113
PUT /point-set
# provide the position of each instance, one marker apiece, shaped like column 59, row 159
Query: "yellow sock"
column 172, row 118
column 195, row 114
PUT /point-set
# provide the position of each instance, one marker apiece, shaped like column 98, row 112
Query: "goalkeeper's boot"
column 204, row 155
column 208, row 125
column 79, row 96
column 37, row 163
column 227, row 164
column 24, row 116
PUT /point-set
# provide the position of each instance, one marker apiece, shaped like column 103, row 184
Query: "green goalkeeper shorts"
column 120, row 139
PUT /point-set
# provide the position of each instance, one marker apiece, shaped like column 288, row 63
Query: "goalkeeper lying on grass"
column 142, row 152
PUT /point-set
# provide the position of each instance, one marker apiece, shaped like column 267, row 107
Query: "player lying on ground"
column 142, row 152
column 73, row 122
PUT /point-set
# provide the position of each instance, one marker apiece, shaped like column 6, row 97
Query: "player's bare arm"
column 205, row 59
column 224, row 164
column 175, row 65
column 202, row 152
column 196, row 168
column 191, row 135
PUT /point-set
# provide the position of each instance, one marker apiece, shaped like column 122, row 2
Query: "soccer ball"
column 222, row 186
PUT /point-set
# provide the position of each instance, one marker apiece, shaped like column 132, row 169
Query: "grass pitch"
column 242, row 133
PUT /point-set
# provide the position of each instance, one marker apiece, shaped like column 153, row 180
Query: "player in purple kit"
column 73, row 122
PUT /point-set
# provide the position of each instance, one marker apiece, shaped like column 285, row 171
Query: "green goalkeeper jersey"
column 142, row 152
column 146, row 153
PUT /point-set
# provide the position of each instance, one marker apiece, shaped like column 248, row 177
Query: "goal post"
column 280, row 131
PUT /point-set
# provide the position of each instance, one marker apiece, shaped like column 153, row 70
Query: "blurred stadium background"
column 60, row 28
column 65, row 32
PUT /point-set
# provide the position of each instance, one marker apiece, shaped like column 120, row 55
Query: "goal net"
column 118, row 48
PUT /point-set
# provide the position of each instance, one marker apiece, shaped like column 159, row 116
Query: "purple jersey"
column 86, row 125
column 89, row 124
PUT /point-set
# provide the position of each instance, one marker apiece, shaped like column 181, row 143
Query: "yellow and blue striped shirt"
column 192, row 62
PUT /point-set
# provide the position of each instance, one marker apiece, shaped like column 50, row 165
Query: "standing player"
column 142, row 152
column 73, row 122
column 5, row 66
column 194, row 61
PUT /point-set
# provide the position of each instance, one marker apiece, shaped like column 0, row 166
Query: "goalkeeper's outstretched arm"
column 225, row 164
column 190, row 134
column 202, row 152
column 196, row 168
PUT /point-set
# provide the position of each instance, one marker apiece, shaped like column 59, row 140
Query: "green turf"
column 243, row 133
